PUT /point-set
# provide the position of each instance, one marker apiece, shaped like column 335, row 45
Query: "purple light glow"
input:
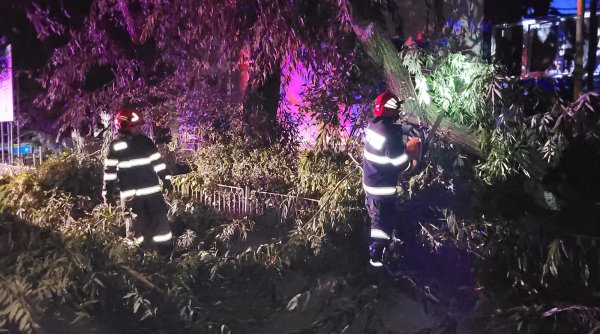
column 308, row 130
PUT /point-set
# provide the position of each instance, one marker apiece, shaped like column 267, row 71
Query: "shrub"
column 337, row 181
column 268, row 169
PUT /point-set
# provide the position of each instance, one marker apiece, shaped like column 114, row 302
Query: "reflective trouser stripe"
column 147, row 191
column 111, row 162
column 379, row 234
column 399, row 160
column 127, row 193
column 375, row 263
column 141, row 191
column 162, row 237
column 379, row 190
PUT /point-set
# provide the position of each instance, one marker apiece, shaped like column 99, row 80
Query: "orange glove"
column 413, row 150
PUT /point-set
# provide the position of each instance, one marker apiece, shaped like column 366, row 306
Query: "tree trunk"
column 261, row 127
column 578, row 73
column 593, row 46
column 438, row 17
column 399, row 81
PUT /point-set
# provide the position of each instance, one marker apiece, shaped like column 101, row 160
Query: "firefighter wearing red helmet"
column 135, row 167
column 385, row 158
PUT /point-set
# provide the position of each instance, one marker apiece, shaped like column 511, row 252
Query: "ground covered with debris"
column 482, row 259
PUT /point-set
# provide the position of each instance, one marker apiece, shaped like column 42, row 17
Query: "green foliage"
column 53, row 194
column 65, row 173
column 337, row 181
column 239, row 227
column 69, row 258
column 15, row 307
column 39, row 268
column 76, row 269
column 444, row 167
column 540, row 280
column 461, row 86
column 509, row 152
column 340, row 96
column 521, row 130
column 152, row 64
column 318, row 175
column 532, row 144
column 457, row 84
column 186, row 214
column 270, row 169
column 543, row 318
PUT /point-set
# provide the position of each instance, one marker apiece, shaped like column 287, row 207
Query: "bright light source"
column 421, row 87
column 425, row 98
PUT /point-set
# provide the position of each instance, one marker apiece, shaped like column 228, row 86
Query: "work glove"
column 413, row 150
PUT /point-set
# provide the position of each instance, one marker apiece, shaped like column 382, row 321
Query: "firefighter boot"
column 376, row 250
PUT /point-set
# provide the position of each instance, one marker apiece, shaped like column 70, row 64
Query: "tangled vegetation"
column 500, row 233
column 521, row 129
column 483, row 243
column 66, row 266
column 228, row 274
column 271, row 168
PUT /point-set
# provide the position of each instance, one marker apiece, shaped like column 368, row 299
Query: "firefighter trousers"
column 383, row 214
column 148, row 222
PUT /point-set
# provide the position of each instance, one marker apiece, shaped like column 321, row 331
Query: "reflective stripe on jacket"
column 134, row 165
column 384, row 157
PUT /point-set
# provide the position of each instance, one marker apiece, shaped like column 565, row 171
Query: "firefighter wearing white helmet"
column 385, row 158
column 135, row 167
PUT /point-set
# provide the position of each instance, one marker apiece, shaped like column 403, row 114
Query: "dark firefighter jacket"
column 134, row 165
column 384, row 157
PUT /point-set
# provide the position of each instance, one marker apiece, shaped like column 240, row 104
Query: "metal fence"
column 236, row 201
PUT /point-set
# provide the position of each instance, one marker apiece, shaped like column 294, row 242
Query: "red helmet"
column 125, row 119
column 387, row 105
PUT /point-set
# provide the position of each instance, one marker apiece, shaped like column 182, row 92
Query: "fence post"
column 2, row 138
column 246, row 199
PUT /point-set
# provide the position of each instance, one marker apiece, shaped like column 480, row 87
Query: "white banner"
column 6, row 86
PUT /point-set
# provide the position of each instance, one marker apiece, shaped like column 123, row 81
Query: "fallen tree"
column 399, row 80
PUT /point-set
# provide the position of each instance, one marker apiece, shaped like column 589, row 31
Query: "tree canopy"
column 187, row 58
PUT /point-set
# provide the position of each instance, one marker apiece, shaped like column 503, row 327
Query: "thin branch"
column 142, row 279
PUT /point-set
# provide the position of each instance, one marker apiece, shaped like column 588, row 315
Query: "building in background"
column 541, row 46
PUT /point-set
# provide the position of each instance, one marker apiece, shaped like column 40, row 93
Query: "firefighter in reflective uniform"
column 135, row 167
column 385, row 158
